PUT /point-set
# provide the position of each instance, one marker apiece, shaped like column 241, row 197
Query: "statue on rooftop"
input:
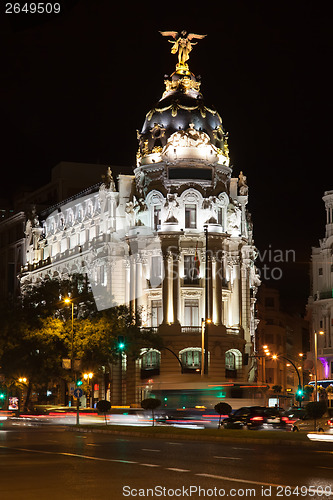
column 182, row 45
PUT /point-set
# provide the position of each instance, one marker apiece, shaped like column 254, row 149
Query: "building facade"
column 174, row 241
column 320, row 303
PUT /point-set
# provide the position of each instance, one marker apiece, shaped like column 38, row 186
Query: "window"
column 156, row 312
column 230, row 360
column 320, row 271
column 150, row 363
column 190, row 216
column 191, row 359
column 191, row 271
column 156, row 271
column 151, row 359
column 191, row 313
column 220, row 216
column 157, row 217
column 233, row 362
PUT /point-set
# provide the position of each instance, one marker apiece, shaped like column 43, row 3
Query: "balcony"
column 187, row 281
column 233, row 330
column 191, row 329
column 323, row 295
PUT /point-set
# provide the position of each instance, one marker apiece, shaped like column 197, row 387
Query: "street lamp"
column 276, row 356
column 67, row 300
column 316, row 360
column 87, row 377
column 204, row 347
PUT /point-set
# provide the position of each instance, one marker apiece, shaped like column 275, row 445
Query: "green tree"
column 104, row 406
column 151, row 404
column 222, row 409
column 308, row 390
column 34, row 353
column 315, row 410
column 329, row 392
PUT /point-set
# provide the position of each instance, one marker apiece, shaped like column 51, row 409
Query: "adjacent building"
column 286, row 336
column 320, row 303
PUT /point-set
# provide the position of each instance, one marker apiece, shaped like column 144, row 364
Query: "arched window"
column 233, row 362
column 150, row 363
column 191, row 359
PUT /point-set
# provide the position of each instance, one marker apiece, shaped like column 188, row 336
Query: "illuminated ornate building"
column 321, row 300
column 173, row 241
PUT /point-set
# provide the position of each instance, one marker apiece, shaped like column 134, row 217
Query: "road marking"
column 323, row 467
column 148, row 449
column 235, row 480
column 87, row 457
column 149, row 465
column 177, row 470
column 237, row 448
column 178, row 444
column 230, row 458
column 92, row 444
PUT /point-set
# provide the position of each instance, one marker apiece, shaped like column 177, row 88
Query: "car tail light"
column 285, row 419
column 330, row 422
column 257, row 419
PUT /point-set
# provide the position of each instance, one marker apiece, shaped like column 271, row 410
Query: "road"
column 54, row 463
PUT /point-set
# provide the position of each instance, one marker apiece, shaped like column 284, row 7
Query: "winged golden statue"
column 182, row 45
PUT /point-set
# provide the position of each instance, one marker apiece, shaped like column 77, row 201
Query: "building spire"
column 183, row 46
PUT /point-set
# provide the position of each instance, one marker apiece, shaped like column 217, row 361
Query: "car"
column 293, row 414
column 256, row 417
column 307, row 424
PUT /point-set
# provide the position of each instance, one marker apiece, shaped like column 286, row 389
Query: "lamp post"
column 316, row 362
column 67, row 300
column 204, row 347
column 88, row 377
column 207, row 320
column 276, row 356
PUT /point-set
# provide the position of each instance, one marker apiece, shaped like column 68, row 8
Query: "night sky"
column 76, row 86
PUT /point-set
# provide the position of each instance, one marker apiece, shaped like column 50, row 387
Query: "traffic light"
column 78, row 382
column 299, row 393
column 121, row 343
column 3, row 397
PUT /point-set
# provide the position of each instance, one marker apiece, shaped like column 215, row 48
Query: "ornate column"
column 166, row 287
column 132, row 285
column 175, row 285
column 138, row 282
column 218, row 274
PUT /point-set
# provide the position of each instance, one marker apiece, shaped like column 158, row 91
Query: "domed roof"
column 181, row 106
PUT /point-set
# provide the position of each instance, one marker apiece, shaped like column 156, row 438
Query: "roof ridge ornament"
column 183, row 46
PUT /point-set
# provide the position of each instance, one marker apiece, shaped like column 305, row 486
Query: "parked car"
column 307, row 424
column 256, row 417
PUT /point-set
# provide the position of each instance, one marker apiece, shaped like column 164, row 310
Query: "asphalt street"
column 54, row 463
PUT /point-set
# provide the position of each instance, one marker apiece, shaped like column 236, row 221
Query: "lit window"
column 230, row 361
column 191, row 272
column 191, row 359
column 190, row 216
column 156, row 312
column 191, row 313
column 156, row 271
column 151, row 360
column 157, row 217
column 220, row 216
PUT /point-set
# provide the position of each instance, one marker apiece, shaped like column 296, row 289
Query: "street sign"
column 78, row 393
